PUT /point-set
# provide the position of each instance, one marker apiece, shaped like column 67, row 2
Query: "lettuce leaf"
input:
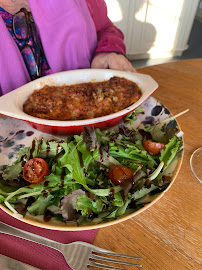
column 71, row 161
column 87, row 156
column 40, row 205
column 104, row 192
column 119, row 211
column 86, row 205
column 2, row 198
column 83, row 162
column 39, row 148
column 171, row 148
column 135, row 154
column 142, row 192
column 132, row 116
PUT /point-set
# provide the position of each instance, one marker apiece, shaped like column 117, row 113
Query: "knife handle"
column 7, row 229
column 8, row 263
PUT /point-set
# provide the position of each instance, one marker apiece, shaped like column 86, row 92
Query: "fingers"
column 112, row 61
column 100, row 61
column 122, row 63
column 129, row 67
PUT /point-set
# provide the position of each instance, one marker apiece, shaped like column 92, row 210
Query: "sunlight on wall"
column 141, row 13
column 165, row 18
column 153, row 28
column 114, row 10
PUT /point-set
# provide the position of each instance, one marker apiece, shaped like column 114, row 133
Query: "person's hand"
column 112, row 61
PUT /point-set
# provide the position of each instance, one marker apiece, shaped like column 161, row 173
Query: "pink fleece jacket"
column 110, row 38
column 71, row 31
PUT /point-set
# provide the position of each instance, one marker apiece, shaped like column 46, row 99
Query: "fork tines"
column 97, row 257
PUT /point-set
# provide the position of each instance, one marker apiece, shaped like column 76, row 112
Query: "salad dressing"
column 111, row 191
column 58, row 148
column 47, row 216
column 32, row 149
column 45, row 193
column 101, row 155
column 46, row 183
column 81, row 161
column 47, row 149
column 23, row 160
column 62, row 177
column 20, row 208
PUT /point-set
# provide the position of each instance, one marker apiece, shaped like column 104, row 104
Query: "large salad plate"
column 11, row 104
column 15, row 134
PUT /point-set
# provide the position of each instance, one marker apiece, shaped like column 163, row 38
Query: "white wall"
column 154, row 28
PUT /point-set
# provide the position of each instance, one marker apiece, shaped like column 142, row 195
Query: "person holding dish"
column 39, row 38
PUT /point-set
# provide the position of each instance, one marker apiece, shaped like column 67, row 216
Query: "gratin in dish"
column 82, row 101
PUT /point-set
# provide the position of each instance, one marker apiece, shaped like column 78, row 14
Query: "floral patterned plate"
column 15, row 134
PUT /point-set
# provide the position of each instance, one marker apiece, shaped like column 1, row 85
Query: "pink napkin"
column 35, row 254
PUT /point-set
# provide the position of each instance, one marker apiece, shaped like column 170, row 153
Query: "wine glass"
column 196, row 163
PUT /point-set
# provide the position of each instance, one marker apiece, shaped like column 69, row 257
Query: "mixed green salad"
column 93, row 177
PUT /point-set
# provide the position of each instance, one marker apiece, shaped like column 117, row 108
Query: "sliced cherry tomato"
column 35, row 170
column 153, row 148
column 119, row 174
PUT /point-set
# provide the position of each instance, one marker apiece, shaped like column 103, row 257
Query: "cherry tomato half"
column 153, row 148
column 119, row 174
column 35, row 170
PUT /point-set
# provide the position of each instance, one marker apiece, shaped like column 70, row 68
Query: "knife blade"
column 11, row 264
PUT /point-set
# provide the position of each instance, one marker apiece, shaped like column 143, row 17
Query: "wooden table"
column 168, row 235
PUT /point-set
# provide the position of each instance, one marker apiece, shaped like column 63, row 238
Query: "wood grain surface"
column 168, row 235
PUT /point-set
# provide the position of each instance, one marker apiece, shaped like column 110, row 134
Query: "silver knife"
column 11, row 264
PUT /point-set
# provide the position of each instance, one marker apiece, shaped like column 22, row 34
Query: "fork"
column 78, row 255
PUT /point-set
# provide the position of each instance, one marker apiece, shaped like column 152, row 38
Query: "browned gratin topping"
column 82, row 101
